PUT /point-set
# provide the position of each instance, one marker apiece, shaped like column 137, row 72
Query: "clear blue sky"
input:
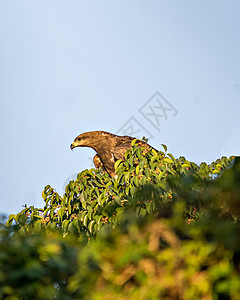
column 67, row 67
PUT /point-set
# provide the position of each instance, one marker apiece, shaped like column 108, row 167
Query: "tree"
column 163, row 228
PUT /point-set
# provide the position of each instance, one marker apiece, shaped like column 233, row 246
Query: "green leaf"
column 98, row 218
column 83, row 198
column 38, row 225
column 11, row 217
column 73, row 229
column 137, row 170
column 135, row 180
column 65, row 224
column 171, row 156
column 60, row 212
column 82, row 215
column 117, row 200
column 75, row 222
column 185, row 165
column 133, row 190
column 165, row 147
column 108, row 184
column 44, row 195
column 85, row 220
column 99, row 199
column 90, row 210
column 37, row 216
column 127, row 176
column 90, row 226
column 155, row 157
column 134, row 142
column 117, row 163
column 139, row 153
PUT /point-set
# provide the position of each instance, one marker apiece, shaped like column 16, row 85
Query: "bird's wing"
column 108, row 160
column 120, row 150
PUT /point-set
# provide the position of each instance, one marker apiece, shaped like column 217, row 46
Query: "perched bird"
column 109, row 147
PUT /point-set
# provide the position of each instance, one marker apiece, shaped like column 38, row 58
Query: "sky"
column 166, row 70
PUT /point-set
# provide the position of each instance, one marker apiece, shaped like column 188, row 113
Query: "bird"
column 109, row 148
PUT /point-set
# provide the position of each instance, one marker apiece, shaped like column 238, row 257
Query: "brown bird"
column 109, row 147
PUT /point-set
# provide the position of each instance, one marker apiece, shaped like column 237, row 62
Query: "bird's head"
column 80, row 141
column 89, row 139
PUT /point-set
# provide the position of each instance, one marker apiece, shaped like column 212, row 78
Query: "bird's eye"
column 79, row 139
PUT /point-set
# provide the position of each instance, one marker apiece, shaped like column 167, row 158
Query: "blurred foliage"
column 163, row 228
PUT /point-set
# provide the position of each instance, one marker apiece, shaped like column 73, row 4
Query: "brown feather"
column 109, row 147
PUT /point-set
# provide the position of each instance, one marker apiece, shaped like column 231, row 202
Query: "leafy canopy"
column 163, row 228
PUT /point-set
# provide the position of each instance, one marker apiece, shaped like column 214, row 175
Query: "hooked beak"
column 72, row 146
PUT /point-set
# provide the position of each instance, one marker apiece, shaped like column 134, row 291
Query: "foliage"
column 95, row 198
column 35, row 266
column 163, row 228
